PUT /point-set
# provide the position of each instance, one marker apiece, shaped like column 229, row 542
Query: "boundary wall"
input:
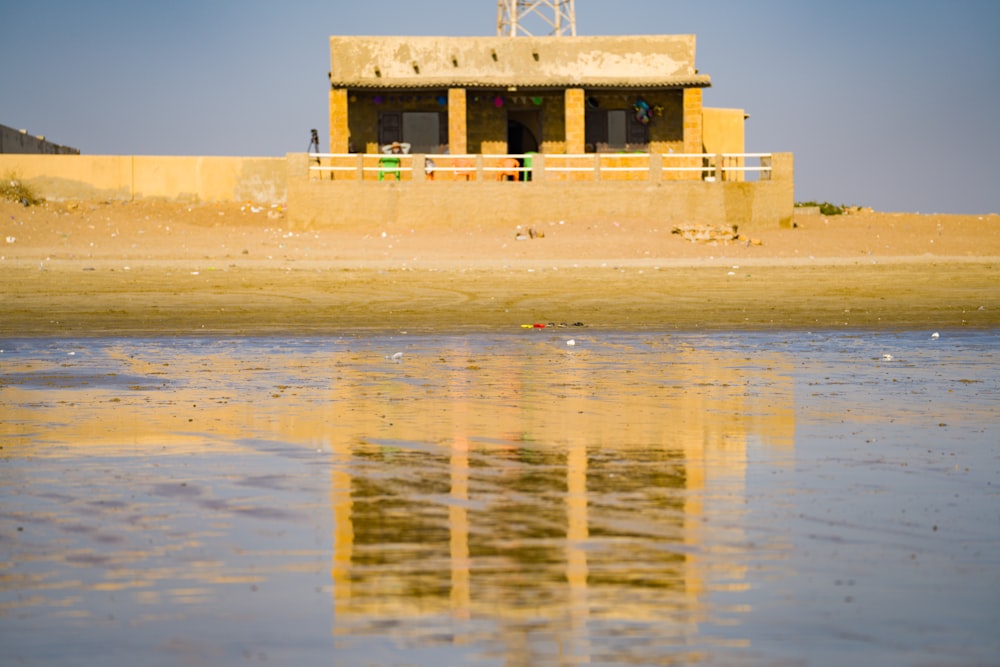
column 316, row 203
column 165, row 178
column 19, row 141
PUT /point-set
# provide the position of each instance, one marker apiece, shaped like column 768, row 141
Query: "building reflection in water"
column 534, row 501
column 560, row 496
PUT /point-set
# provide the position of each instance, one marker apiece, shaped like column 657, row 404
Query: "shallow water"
column 502, row 499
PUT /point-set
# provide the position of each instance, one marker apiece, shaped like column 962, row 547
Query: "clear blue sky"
column 893, row 104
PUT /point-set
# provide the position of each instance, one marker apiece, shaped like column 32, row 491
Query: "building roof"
column 636, row 61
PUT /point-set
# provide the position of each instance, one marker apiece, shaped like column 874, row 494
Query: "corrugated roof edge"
column 701, row 81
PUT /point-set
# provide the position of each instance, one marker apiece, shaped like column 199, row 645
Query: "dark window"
column 615, row 130
column 390, row 128
column 426, row 131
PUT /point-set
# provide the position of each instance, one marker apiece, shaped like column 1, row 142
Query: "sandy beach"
column 220, row 447
column 138, row 268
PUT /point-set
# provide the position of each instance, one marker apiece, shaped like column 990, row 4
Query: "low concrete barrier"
column 318, row 202
column 167, row 178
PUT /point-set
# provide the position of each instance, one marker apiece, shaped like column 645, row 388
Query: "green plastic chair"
column 390, row 166
column 526, row 174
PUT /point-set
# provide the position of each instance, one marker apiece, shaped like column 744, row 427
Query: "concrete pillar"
column 694, row 134
column 538, row 167
column 458, row 134
column 656, row 167
column 782, row 167
column 576, row 123
column 480, row 163
column 694, row 141
column 340, row 134
column 783, row 173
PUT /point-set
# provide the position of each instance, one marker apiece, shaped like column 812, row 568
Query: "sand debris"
column 701, row 233
column 706, row 233
column 532, row 233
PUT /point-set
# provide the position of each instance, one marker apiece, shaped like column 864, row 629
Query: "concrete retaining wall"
column 316, row 203
column 19, row 141
column 167, row 178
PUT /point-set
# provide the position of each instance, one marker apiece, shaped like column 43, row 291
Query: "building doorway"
column 524, row 131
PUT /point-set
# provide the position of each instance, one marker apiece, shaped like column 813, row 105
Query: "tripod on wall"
column 314, row 143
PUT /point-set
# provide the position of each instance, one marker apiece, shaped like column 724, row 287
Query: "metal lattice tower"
column 557, row 17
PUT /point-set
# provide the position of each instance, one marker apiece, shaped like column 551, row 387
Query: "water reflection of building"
column 552, row 492
column 535, row 490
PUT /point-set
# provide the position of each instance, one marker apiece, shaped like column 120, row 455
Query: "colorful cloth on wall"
column 643, row 112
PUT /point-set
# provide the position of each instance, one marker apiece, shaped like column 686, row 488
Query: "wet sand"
column 147, row 268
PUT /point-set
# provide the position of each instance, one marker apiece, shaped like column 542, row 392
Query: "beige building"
column 592, row 128
column 619, row 119
column 496, row 95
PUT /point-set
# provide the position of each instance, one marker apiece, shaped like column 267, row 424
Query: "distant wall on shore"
column 166, row 178
column 19, row 141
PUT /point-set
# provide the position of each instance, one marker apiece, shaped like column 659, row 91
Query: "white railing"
column 597, row 163
column 685, row 162
column 360, row 163
column 738, row 162
column 541, row 166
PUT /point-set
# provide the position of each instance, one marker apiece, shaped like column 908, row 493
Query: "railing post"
column 361, row 166
column 538, row 167
column 656, row 167
column 418, row 165
column 720, row 168
column 479, row 167
column 597, row 166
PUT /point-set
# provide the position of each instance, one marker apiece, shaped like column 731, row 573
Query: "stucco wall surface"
column 168, row 178
column 316, row 203
column 377, row 62
column 723, row 130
